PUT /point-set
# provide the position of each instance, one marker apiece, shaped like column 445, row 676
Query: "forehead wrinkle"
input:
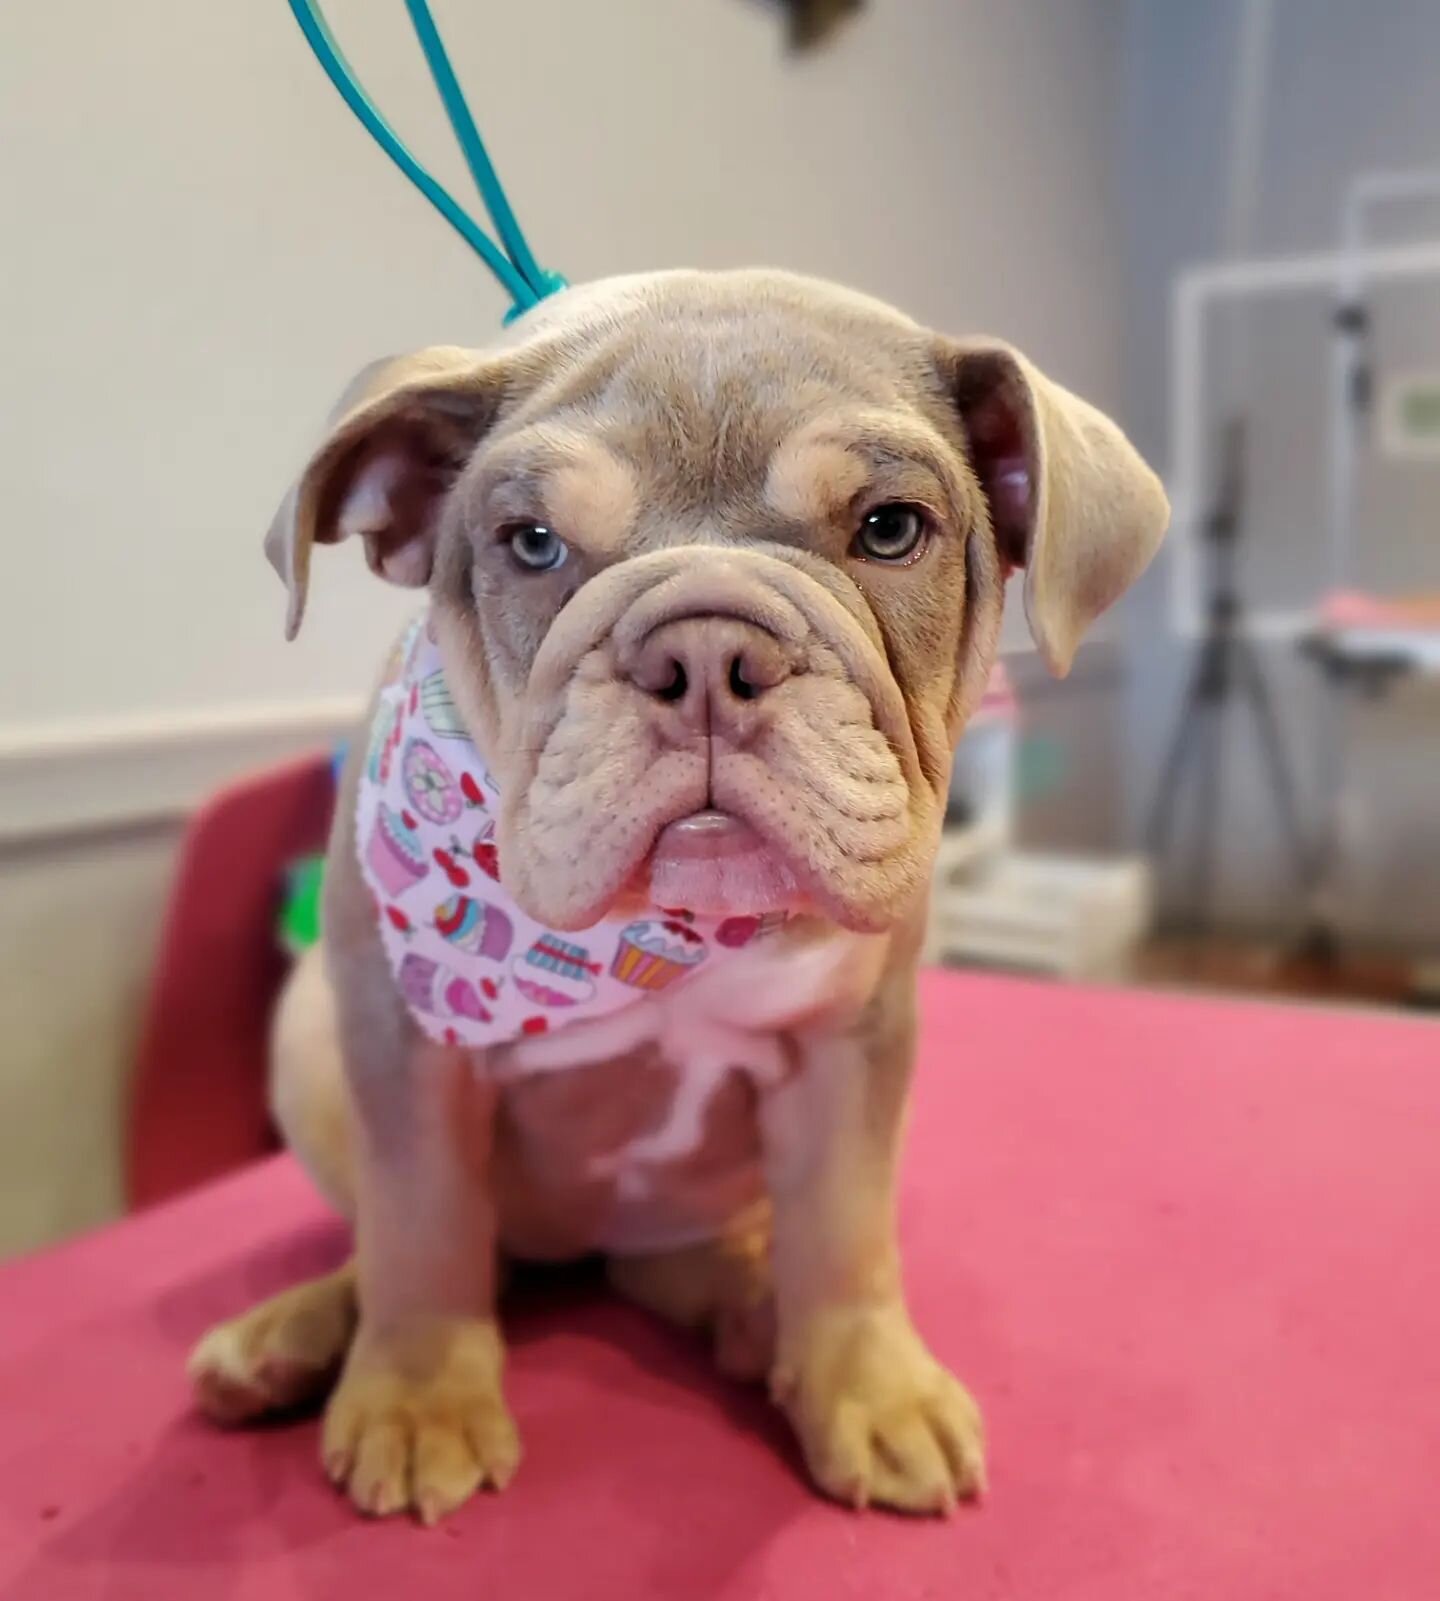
column 594, row 495
column 692, row 460
column 886, row 437
column 529, row 455
column 574, row 375
column 811, row 477
column 696, row 404
column 823, row 465
column 517, row 470
column 712, row 394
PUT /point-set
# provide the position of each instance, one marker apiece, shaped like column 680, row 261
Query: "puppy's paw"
column 880, row 1421
column 281, row 1354
column 418, row 1422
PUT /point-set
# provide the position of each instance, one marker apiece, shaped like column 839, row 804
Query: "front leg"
column 418, row 1420
column 879, row 1420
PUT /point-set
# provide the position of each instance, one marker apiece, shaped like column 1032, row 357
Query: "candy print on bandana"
column 474, row 969
column 555, row 972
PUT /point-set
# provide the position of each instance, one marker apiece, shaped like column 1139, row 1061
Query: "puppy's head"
column 716, row 564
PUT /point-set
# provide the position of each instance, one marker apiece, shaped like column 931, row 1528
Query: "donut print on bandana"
column 430, row 787
column 472, row 967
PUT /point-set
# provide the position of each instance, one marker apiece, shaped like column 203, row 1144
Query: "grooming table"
column 1184, row 1251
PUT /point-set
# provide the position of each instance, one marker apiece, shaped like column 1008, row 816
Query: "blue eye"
column 536, row 548
column 894, row 533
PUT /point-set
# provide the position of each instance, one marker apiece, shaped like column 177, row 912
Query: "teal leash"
column 511, row 261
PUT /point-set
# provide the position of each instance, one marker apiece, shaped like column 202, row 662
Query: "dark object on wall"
column 813, row 21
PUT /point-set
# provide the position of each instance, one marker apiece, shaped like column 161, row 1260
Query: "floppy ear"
column 1070, row 499
column 401, row 433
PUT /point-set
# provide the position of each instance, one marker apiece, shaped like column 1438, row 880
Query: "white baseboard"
column 78, row 777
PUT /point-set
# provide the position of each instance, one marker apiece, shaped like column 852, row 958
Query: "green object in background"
column 1420, row 412
column 300, row 911
column 1039, row 768
column 1410, row 416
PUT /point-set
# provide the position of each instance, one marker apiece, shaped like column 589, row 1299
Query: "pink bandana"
column 472, row 967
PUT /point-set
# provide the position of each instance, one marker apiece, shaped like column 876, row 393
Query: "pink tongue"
column 706, row 836
column 716, row 865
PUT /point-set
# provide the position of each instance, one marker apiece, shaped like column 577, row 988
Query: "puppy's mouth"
column 714, row 863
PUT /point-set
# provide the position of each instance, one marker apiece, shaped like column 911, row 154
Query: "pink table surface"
column 1185, row 1252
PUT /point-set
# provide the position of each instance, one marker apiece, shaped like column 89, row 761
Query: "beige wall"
column 199, row 246
column 78, row 925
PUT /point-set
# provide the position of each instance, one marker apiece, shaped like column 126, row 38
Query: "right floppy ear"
column 399, row 437
column 1070, row 499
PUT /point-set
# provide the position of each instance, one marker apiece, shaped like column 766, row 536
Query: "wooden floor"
column 1256, row 968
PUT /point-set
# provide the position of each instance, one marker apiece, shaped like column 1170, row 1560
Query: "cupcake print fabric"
column 472, row 967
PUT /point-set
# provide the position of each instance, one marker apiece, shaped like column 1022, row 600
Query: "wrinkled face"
column 716, row 566
column 682, row 582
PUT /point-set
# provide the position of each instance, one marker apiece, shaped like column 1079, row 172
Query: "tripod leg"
column 1184, row 742
column 1272, row 751
column 1320, row 938
column 1207, row 820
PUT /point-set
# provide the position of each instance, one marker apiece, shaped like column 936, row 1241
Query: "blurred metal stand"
column 1226, row 664
column 1353, row 670
column 1205, row 601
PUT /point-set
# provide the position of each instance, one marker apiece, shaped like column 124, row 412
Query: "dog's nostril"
column 740, row 686
column 679, row 683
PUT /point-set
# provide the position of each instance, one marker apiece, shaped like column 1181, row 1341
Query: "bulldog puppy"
column 628, row 879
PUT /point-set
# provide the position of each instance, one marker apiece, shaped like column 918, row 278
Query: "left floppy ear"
column 398, row 437
column 1070, row 499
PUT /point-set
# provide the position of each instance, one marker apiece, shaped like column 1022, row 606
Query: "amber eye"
column 894, row 533
column 534, row 547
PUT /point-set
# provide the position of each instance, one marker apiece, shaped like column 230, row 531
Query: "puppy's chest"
column 651, row 1113
column 645, row 1123
column 662, row 1143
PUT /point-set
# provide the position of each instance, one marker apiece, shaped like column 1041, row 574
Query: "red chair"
column 197, row 1101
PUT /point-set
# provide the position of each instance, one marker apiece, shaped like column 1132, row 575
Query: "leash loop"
column 511, row 261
